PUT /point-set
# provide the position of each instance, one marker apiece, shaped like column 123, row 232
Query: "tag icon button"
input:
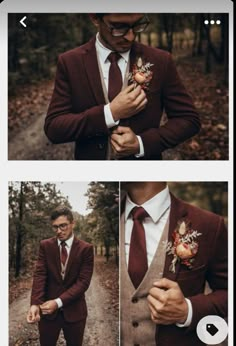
column 211, row 328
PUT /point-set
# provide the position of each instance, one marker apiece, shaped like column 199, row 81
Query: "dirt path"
column 101, row 328
column 31, row 143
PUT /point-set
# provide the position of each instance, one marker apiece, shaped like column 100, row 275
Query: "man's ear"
column 94, row 19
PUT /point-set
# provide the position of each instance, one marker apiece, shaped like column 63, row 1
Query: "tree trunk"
column 117, row 255
column 201, row 36
column 19, row 233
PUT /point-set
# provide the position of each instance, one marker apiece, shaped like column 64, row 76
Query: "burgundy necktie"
column 138, row 264
column 63, row 252
column 115, row 77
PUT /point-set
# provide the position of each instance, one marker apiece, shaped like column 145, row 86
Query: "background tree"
column 30, row 205
column 104, row 220
column 211, row 196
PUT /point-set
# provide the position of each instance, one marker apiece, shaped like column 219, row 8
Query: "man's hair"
column 62, row 211
column 100, row 15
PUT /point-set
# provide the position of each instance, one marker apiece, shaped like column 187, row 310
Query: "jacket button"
column 135, row 324
column 134, row 300
column 101, row 146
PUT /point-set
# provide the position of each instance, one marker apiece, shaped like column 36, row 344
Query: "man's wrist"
column 189, row 315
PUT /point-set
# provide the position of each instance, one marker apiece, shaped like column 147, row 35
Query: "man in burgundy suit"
column 62, row 275
column 113, row 114
column 163, row 293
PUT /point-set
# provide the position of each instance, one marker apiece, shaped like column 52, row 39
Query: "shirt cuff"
column 110, row 122
column 141, row 148
column 59, row 302
column 189, row 317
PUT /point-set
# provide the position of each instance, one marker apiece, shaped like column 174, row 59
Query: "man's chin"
column 123, row 49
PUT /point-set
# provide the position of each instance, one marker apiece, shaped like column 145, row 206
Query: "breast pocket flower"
column 184, row 246
column 141, row 74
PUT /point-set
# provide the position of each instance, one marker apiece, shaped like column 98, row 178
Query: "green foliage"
column 212, row 196
column 30, row 205
column 101, row 226
column 33, row 51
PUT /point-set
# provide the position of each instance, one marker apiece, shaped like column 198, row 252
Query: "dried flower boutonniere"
column 141, row 74
column 184, row 246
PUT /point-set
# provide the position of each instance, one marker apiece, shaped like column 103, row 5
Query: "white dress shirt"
column 158, row 208
column 103, row 53
column 68, row 246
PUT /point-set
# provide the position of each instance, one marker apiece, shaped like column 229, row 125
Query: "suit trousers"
column 49, row 331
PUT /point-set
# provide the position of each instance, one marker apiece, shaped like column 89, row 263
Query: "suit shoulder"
column 83, row 244
column 203, row 216
column 76, row 52
column 46, row 242
column 153, row 51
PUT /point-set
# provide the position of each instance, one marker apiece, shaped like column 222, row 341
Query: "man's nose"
column 130, row 36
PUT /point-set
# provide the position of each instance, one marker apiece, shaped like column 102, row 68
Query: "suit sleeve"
column 39, row 280
column 83, row 280
column 183, row 119
column 62, row 124
column 214, row 303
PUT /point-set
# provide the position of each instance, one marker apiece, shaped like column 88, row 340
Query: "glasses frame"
column 62, row 227
column 111, row 28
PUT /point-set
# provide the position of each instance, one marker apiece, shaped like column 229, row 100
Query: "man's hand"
column 33, row 314
column 49, row 307
column 124, row 142
column 128, row 102
column 167, row 303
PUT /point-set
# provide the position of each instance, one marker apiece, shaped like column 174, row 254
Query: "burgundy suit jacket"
column 48, row 283
column 76, row 109
column 211, row 265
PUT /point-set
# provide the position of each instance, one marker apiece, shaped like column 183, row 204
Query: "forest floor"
column 27, row 111
column 102, row 297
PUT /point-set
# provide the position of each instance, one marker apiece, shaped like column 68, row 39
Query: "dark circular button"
column 134, row 300
column 135, row 324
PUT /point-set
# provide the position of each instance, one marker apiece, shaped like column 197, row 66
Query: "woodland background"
column 200, row 52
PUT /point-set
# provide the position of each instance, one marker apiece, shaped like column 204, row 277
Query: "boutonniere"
column 141, row 74
column 184, row 246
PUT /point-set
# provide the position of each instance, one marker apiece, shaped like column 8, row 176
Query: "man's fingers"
column 121, row 130
column 131, row 88
column 115, row 146
column 140, row 97
column 157, row 294
column 165, row 283
column 156, row 303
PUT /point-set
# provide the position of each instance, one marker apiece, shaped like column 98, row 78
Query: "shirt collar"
column 68, row 241
column 155, row 206
column 103, row 51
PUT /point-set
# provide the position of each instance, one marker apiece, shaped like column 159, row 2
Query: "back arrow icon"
column 22, row 21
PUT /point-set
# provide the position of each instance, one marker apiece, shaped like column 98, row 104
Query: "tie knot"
column 63, row 243
column 139, row 213
column 113, row 57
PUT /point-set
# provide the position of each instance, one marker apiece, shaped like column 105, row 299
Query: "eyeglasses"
column 62, row 227
column 122, row 29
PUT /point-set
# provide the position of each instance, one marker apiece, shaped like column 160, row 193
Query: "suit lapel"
column 56, row 256
column 92, row 71
column 177, row 212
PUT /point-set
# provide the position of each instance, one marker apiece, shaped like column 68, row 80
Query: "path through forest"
column 101, row 327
